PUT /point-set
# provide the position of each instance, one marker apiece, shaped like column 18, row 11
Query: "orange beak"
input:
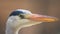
column 42, row 18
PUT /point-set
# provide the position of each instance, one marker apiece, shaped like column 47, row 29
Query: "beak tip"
column 55, row 19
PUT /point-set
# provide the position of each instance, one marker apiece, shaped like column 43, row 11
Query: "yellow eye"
column 21, row 15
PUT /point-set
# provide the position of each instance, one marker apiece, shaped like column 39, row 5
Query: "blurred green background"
column 45, row 7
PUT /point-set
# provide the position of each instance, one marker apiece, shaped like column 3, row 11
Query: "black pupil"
column 22, row 16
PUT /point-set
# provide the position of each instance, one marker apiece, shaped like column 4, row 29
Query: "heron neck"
column 10, row 31
column 11, row 25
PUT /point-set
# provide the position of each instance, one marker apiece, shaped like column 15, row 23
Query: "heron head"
column 29, row 18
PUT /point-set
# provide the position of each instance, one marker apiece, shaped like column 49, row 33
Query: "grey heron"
column 21, row 18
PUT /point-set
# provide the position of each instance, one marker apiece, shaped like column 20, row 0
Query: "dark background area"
column 45, row 7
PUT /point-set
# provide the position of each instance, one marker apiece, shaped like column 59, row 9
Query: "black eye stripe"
column 14, row 13
column 17, row 13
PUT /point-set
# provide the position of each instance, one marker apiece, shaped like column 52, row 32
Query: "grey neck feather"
column 11, row 25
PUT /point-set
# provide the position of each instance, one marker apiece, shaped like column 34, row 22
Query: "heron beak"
column 42, row 18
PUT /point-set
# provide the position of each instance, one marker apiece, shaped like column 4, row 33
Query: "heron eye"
column 22, row 16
